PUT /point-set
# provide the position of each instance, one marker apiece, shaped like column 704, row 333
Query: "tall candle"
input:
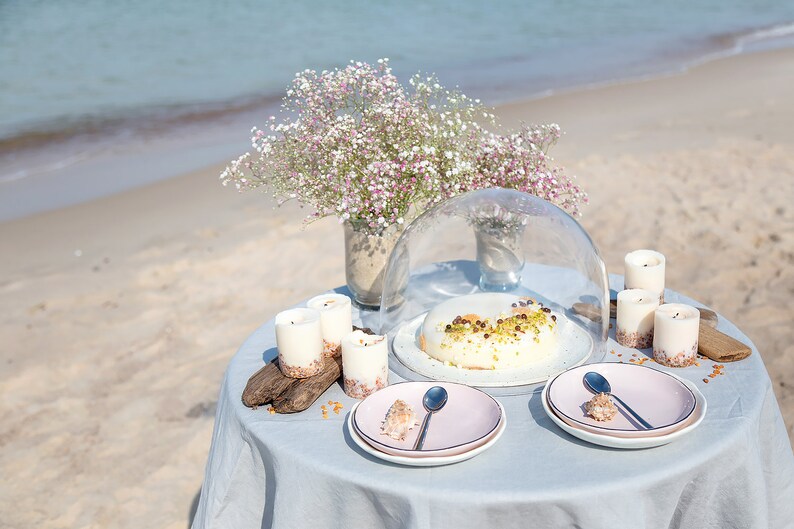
column 645, row 269
column 675, row 335
column 635, row 317
column 299, row 339
column 336, row 320
column 365, row 364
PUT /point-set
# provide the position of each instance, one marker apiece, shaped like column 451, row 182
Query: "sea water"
column 79, row 78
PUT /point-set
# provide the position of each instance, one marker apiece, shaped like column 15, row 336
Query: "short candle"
column 336, row 320
column 635, row 316
column 645, row 269
column 365, row 364
column 675, row 335
column 299, row 340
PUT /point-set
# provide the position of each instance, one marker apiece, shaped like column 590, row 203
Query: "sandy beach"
column 120, row 315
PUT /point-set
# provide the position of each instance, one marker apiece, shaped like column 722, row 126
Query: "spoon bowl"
column 597, row 383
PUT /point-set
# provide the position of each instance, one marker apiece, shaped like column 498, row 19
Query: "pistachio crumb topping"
column 505, row 329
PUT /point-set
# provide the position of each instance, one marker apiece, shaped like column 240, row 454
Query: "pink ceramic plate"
column 661, row 399
column 469, row 418
column 683, row 425
column 430, row 461
column 632, row 443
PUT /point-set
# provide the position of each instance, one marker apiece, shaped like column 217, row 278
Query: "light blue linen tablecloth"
column 736, row 470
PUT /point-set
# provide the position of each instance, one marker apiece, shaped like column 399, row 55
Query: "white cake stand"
column 574, row 347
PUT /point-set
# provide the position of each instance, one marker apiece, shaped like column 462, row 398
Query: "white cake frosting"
column 489, row 331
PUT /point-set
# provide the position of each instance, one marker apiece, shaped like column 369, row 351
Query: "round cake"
column 489, row 331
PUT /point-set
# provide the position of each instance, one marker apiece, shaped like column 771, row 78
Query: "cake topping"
column 525, row 320
column 489, row 331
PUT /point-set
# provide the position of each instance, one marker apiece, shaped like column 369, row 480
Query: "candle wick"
column 676, row 315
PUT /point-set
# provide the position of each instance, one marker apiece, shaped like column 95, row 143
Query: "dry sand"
column 119, row 316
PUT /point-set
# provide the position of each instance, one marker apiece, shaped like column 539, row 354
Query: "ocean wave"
column 778, row 31
column 133, row 123
column 57, row 165
column 51, row 147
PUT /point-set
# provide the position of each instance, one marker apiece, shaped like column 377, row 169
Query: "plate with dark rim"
column 467, row 421
column 658, row 397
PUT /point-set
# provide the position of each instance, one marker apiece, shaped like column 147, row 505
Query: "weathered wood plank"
column 299, row 396
column 720, row 347
column 264, row 385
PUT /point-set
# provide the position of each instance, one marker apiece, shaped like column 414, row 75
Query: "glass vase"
column 500, row 255
column 366, row 256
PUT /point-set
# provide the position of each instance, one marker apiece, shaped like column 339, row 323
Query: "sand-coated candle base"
column 299, row 371
column 331, row 349
column 636, row 340
column 361, row 389
column 680, row 359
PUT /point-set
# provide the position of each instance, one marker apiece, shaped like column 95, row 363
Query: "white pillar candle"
column 645, row 269
column 299, row 340
column 635, row 317
column 675, row 335
column 365, row 364
column 336, row 320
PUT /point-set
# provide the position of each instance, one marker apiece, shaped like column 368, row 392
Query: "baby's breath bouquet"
column 521, row 161
column 354, row 143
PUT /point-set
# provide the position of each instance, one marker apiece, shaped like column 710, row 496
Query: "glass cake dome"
column 495, row 246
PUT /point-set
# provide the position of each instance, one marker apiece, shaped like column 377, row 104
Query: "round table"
column 300, row 470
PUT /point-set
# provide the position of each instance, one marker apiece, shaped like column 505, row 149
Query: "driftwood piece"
column 720, row 347
column 302, row 394
column 588, row 310
column 265, row 385
column 290, row 395
column 708, row 318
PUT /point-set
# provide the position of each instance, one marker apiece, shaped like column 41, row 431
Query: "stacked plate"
column 673, row 406
column 470, row 423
